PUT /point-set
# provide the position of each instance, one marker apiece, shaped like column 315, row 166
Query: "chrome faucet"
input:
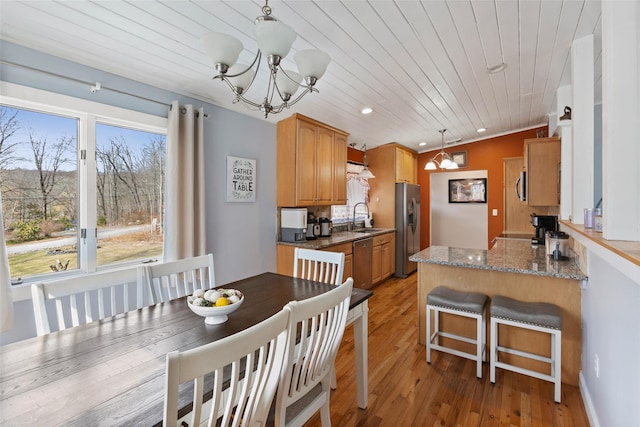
column 353, row 221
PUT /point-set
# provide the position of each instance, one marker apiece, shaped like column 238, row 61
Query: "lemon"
column 222, row 301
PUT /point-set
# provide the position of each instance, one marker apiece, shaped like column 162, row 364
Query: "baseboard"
column 588, row 403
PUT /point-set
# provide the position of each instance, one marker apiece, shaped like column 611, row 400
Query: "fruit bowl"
column 214, row 315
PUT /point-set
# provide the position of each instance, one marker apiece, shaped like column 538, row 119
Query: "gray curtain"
column 184, row 216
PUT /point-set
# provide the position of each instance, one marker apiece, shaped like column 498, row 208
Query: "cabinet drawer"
column 384, row 238
column 347, row 248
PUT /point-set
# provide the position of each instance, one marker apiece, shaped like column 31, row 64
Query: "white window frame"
column 88, row 114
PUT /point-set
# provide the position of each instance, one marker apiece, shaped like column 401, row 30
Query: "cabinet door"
column 387, row 255
column 405, row 166
column 542, row 163
column 348, row 267
column 324, row 166
column 517, row 214
column 340, row 170
column 376, row 264
column 305, row 164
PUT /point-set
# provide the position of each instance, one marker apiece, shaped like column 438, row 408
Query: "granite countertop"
column 339, row 237
column 508, row 255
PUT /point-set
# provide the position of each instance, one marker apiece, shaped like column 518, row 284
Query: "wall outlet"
column 597, row 365
column 495, row 212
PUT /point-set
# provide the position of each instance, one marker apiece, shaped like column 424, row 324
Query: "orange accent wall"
column 486, row 154
column 354, row 155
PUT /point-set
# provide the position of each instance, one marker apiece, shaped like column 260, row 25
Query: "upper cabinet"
column 390, row 163
column 542, row 164
column 406, row 166
column 311, row 163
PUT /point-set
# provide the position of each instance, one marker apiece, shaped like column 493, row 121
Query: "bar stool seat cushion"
column 534, row 313
column 463, row 301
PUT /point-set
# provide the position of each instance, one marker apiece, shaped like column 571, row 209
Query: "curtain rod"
column 93, row 87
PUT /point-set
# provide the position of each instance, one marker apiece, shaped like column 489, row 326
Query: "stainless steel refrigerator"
column 407, row 227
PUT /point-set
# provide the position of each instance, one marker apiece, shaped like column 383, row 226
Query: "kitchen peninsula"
column 515, row 269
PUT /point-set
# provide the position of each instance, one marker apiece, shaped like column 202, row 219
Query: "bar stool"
column 537, row 316
column 466, row 304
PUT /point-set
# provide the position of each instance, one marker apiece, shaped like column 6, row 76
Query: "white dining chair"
column 175, row 279
column 86, row 298
column 243, row 398
column 321, row 266
column 316, row 327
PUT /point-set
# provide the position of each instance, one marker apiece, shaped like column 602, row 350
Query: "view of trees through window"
column 41, row 197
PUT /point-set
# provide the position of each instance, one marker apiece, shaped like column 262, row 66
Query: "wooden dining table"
column 112, row 372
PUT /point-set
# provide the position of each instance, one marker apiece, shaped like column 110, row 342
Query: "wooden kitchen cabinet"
column 517, row 214
column 542, row 164
column 285, row 257
column 311, row 163
column 384, row 262
column 406, row 166
column 390, row 163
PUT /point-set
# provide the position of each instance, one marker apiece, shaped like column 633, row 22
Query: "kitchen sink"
column 367, row 230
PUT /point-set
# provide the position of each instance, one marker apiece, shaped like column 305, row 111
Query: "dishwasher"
column 362, row 257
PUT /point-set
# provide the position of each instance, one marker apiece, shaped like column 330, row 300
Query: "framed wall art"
column 241, row 179
column 473, row 190
column 460, row 158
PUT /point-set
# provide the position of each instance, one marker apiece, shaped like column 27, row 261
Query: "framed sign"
column 460, row 157
column 472, row 190
column 241, row 179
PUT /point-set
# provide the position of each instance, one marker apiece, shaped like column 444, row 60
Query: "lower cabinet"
column 383, row 262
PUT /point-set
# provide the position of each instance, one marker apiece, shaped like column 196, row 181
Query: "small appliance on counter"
column 293, row 224
column 557, row 245
column 325, row 227
column 542, row 224
column 313, row 227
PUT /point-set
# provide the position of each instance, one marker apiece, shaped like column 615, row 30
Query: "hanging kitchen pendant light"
column 365, row 173
column 445, row 160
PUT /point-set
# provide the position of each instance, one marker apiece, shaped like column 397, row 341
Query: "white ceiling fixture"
column 365, row 172
column 274, row 41
column 367, row 110
column 445, row 160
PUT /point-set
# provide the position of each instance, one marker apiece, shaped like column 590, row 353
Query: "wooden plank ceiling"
column 421, row 65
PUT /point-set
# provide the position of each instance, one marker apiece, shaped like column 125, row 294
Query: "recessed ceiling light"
column 422, row 144
column 367, row 110
column 496, row 68
column 482, row 130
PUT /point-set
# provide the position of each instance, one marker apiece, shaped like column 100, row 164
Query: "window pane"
column 130, row 194
column 38, row 177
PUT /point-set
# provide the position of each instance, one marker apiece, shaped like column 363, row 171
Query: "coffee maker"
column 542, row 224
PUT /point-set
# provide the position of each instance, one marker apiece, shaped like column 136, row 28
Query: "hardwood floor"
column 406, row 391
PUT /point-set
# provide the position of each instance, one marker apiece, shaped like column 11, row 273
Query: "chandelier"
column 274, row 41
column 445, row 161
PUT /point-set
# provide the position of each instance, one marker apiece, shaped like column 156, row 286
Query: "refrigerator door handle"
column 412, row 215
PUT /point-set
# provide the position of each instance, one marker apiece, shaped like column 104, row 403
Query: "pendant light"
column 365, row 173
column 445, row 160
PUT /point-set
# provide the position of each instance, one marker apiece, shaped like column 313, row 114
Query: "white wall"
column 241, row 236
column 610, row 330
column 462, row 225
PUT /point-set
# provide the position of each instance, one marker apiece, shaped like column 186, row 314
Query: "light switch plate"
column 495, row 212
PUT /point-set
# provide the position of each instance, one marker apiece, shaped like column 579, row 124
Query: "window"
column 80, row 190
